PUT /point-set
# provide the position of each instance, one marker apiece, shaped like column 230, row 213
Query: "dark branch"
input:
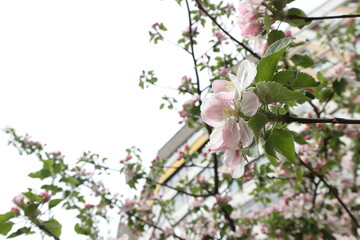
column 192, row 49
column 180, row 190
column 309, row 19
column 46, row 230
column 289, row 119
column 333, row 191
column 226, row 32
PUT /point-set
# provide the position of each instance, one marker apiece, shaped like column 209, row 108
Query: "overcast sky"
column 68, row 77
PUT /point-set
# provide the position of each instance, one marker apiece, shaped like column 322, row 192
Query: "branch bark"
column 289, row 119
column 333, row 192
column 310, row 19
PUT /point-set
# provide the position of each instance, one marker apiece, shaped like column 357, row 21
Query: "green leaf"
column 297, row 22
column 53, row 226
column 54, row 202
column 42, row 174
column 70, row 180
column 271, row 92
column 272, row 160
column 6, row 227
column 302, row 60
column 84, row 230
column 6, row 216
column 31, row 210
column 295, row 79
column 33, row 197
column 267, row 65
column 267, row 22
column 275, row 35
column 257, row 123
column 282, row 142
column 339, row 86
column 20, row 231
column 252, row 150
column 299, row 139
column 299, row 174
column 279, row 4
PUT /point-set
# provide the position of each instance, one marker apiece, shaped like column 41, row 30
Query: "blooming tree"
column 260, row 94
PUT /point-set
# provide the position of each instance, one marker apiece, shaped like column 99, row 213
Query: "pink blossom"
column 347, row 163
column 219, row 35
column 252, row 30
column 222, row 111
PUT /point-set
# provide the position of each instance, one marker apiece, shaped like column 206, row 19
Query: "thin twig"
column 332, row 190
column 179, row 190
column 192, row 49
column 226, row 32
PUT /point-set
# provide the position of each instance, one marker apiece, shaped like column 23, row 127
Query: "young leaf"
column 256, row 123
column 5, row 227
column 54, row 202
column 302, row 60
column 252, row 150
column 275, row 35
column 297, row 22
column 53, row 226
column 295, row 79
column 6, row 216
column 299, row 139
column 267, row 65
column 20, row 231
column 270, row 92
column 282, row 142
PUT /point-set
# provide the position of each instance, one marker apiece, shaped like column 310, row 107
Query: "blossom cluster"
column 225, row 111
column 250, row 23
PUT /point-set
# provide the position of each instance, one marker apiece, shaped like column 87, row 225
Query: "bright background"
column 69, row 78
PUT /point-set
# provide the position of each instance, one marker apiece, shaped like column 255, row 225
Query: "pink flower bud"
column 16, row 211
column 45, row 195
column 19, row 200
column 88, row 206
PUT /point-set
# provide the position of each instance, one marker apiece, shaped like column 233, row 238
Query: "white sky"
column 68, row 77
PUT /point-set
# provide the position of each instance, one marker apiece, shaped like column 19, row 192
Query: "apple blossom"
column 224, row 111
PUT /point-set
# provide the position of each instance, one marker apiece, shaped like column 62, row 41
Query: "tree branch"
column 309, row 19
column 44, row 229
column 332, row 190
column 226, row 32
column 289, row 119
column 192, row 49
column 179, row 190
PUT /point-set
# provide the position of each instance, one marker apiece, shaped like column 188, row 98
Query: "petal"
column 246, row 135
column 246, row 74
column 231, row 134
column 233, row 159
column 239, row 167
column 213, row 111
column 223, row 86
column 229, row 157
column 233, row 78
column 250, row 103
column 216, row 140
